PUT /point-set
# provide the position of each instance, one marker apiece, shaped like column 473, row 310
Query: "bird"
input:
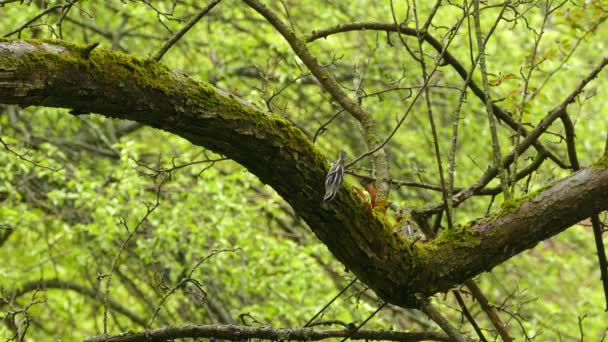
column 333, row 180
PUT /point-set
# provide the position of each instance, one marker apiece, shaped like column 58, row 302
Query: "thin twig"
column 533, row 136
column 150, row 209
column 22, row 157
column 36, row 17
column 64, row 11
column 442, row 55
column 329, row 83
column 500, row 113
column 488, row 309
column 330, row 302
column 185, row 280
column 322, row 128
column 502, row 172
column 526, row 97
column 442, row 322
column 364, row 322
column 467, row 314
column 429, row 107
column 456, row 115
column 157, row 57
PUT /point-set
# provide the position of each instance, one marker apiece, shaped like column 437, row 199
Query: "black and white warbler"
column 333, row 180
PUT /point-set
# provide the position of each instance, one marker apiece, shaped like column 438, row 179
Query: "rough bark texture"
column 57, row 74
column 243, row 333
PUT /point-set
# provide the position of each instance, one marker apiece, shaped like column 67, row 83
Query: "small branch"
column 500, row 113
column 525, row 98
column 157, row 171
column 529, row 140
column 570, row 143
column 157, row 57
column 86, row 52
column 322, row 128
column 64, row 11
column 150, row 209
column 235, row 332
column 22, row 157
column 309, row 323
column 595, row 219
column 435, row 316
column 502, row 172
column 601, row 254
column 488, row 309
column 36, row 17
column 184, row 281
column 19, row 318
column 467, row 314
column 57, row 284
column 354, row 331
column 329, row 83
column 424, row 86
column 580, row 327
column 493, row 191
column 429, row 107
column 461, row 100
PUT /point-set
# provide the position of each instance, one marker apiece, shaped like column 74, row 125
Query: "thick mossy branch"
column 57, row 74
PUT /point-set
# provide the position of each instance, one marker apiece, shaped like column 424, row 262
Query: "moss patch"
column 601, row 164
column 462, row 235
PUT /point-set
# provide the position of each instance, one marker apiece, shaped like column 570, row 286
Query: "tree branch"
column 58, row 284
column 54, row 74
column 235, row 332
column 329, row 83
column 450, row 59
column 157, row 56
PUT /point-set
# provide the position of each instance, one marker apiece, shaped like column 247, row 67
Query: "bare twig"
column 184, row 281
column 156, row 171
column 467, row 314
column 461, row 100
column 309, row 323
column 20, row 325
column 424, row 86
column 58, row 284
column 150, row 208
column 64, row 11
column 159, row 55
column 22, row 157
column 580, row 327
column 29, row 22
column 500, row 113
column 429, row 107
column 529, row 140
column 322, row 128
column 502, row 172
column 354, row 331
column 446, row 326
column 489, row 310
column 601, row 254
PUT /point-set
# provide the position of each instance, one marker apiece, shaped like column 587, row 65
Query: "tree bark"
column 241, row 333
column 58, row 74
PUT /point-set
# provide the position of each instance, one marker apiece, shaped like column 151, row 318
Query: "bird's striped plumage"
column 333, row 180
